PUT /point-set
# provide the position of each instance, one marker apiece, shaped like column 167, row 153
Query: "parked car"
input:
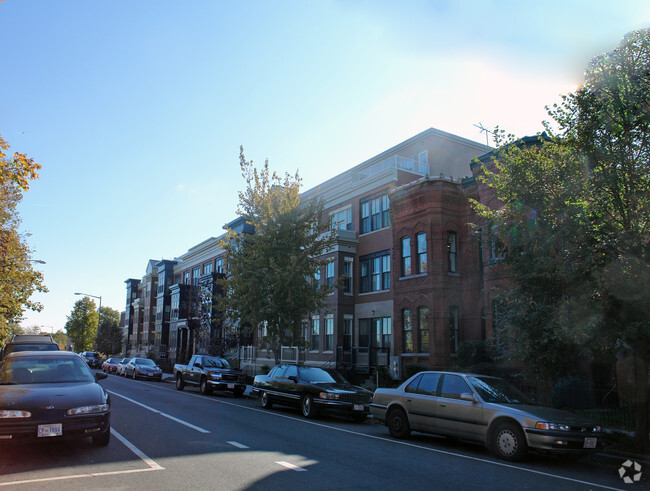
column 121, row 366
column 30, row 342
column 143, row 367
column 110, row 365
column 210, row 373
column 52, row 394
column 484, row 409
column 313, row 390
column 92, row 358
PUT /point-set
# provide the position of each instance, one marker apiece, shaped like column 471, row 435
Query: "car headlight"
column 216, row 376
column 14, row 413
column 94, row 409
column 328, row 395
column 552, row 426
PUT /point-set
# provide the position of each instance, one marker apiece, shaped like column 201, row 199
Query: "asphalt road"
column 165, row 439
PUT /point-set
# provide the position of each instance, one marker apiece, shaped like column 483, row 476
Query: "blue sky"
column 136, row 110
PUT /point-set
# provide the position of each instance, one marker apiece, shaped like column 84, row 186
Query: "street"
column 166, row 439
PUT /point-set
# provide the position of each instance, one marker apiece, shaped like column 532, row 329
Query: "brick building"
column 417, row 272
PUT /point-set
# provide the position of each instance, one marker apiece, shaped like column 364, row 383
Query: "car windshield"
column 315, row 375
column 497, row 390
column 145, row 361
column 44, row 370
column 215, row 363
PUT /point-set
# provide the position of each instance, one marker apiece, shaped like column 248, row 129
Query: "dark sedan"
column 143, row 367
column 52, row 395
column 313, row 390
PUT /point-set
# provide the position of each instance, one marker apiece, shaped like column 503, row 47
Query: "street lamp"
column 99, row 310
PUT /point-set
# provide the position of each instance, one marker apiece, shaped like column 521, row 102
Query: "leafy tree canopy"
column 109, row 334
column 270, row 281
column 81, row 326
column 18, row 279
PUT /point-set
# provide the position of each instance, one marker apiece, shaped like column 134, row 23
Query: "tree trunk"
column 641, row 399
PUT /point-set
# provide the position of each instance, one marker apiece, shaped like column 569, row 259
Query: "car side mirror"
column 293, row 379
column 100, row 376
column 467, row 396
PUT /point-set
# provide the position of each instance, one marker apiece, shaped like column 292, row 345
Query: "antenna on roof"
column 487, row 132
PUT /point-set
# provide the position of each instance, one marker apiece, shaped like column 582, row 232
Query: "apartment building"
column 415, row 268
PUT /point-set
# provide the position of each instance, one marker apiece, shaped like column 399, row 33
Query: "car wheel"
column 103, row 439
column 307, row 405
column 265, row 401
column 398, row 424
column 509, row 442
column 204, row 387
column 180, row 385
column 238, row 392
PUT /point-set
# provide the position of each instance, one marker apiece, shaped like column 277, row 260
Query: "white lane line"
column 238, row 445
column 153, row 466
column 169, row 416
column 291, row 466
column 150, row 462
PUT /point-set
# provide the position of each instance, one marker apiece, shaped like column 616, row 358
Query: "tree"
column 60, row 338
column 82, row 325
column 575, row 223
column 109, row 334
column 18, row 279
column 271, row 273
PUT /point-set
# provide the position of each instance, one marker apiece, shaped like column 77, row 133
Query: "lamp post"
column 99, row 310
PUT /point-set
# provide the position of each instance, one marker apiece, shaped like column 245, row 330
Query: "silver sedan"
column 484, row 409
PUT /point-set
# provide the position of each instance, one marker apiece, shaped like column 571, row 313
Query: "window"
column 428, row 384
column 375, row 213
column 421, row 241
column 375, row 332
column 329, row 333
column 186, row 277
column 315, row 333
column 453, row 329
column 347, row 275
column 407, row 325
column 406, row 256
column 207, row 268
column 341, row 220
column 218, row 265
column 317, row 278
column 453, row 386
column 375, row 272
column 423, row 332
column 452, row 252
column 347, row 333
column 497, row 247
column 329, row 274
column 196, row 272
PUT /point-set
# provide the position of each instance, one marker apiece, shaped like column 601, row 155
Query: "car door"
column 420, row 401
column 455, row 416
column 289, row 385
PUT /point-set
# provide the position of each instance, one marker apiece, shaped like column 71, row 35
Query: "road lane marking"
column 150, row 462
column 398, row 442
column 169, row 416
column 238, row 445
column 291, row 466
column 153, row 466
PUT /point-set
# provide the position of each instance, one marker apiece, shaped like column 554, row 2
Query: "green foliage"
column 61, row 339
column 18, row 279
column 82, row 325
column 575, row 225
column 109, row 334
column 270, row 272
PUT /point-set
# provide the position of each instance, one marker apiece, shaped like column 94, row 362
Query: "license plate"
column 50, row 430
column 358, row 407
column 231, row 386
column 590, row 442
